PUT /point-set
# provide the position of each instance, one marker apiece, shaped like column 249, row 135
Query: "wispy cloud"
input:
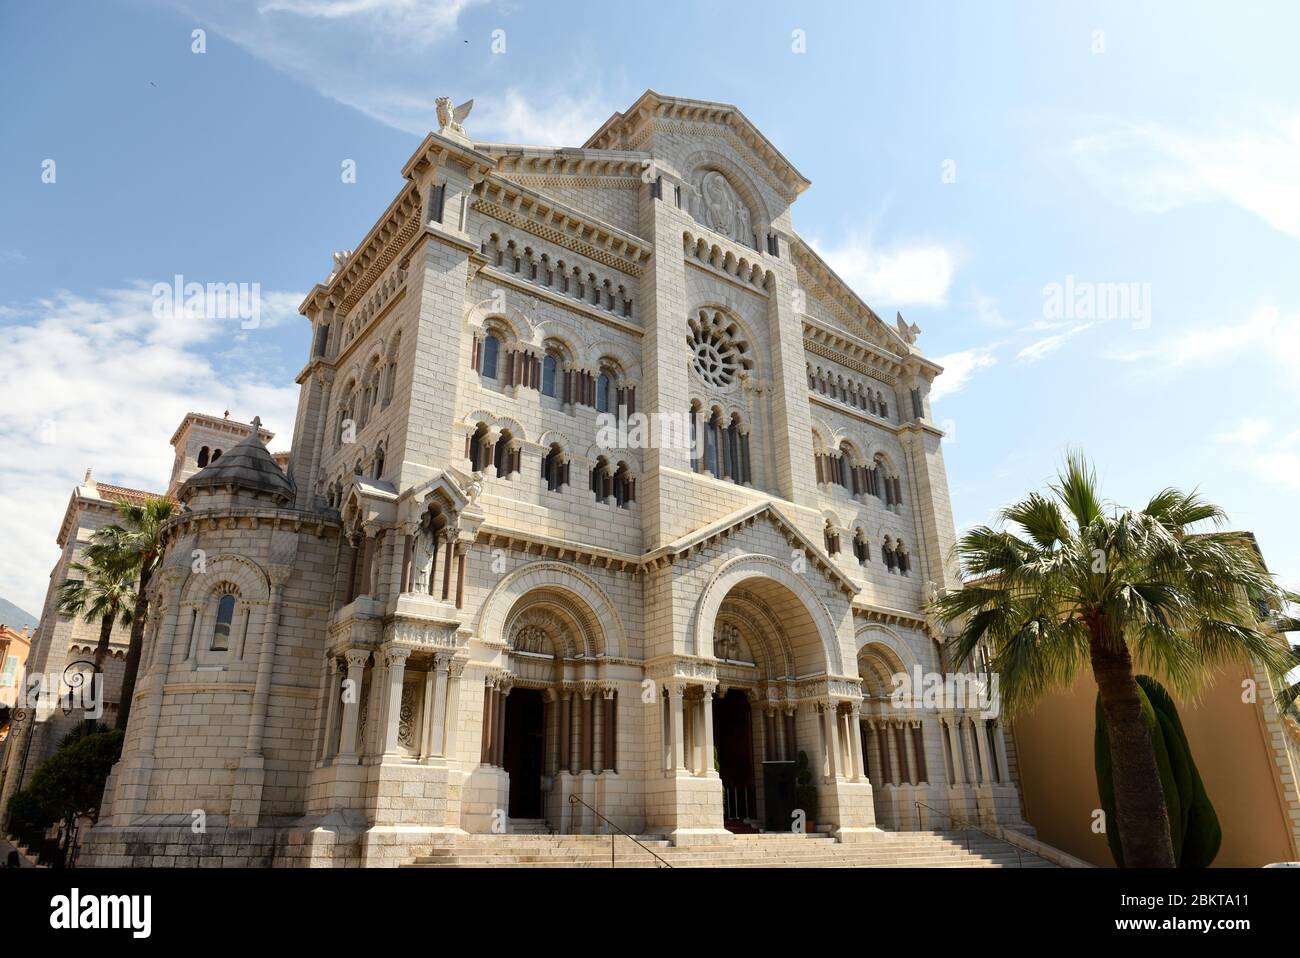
column 917, row 274
column 1050, row 344
column 101, row 381
column 317, row 42
column 1155, row 168
column 1269, row 454
column 959, row 367
column 1267, row 331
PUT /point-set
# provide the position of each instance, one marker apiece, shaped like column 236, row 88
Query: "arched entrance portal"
column 551, row 724
column 765, row 641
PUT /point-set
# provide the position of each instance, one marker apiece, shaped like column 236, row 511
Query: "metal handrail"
column 1020, row 862
column 613, row 836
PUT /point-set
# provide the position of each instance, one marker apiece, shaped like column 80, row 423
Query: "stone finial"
column 450, row 118
column 89, row 480
column 909, row 331
column 257, row 424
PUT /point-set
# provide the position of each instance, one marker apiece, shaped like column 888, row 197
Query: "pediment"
column 735, row 524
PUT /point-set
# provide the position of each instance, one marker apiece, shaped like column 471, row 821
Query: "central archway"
column 767, row 631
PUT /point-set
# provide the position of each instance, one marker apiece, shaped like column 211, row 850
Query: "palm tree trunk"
column 101, row 653
column 1139, row 798
column 134, row 648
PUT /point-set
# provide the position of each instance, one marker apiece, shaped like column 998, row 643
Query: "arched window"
column 555, row 470
column 550, row 368
column 887, row 553
column 861, row 549
column 491, row 348
column 505, row 456
column 602, row 482
column 901, row 556
column 624, row 486
column 832, row 539
column 602, row 393
column 379, row 463
column 477, row 449
column 203, row 457
column 225, row 616
column 216, row 455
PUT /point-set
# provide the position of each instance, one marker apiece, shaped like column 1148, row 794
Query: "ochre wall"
column 1228, row 741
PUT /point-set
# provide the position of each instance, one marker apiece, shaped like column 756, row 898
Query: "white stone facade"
column 451, row 625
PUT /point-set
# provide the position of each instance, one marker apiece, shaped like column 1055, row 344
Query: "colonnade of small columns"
column 444, row 577
column 895, row 749
column 345, row 680
column 969, row 739
column 580, row 721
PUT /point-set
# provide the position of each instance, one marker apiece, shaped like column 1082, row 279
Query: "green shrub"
column 1193, row 825
column 805, row 792
column 69, row 785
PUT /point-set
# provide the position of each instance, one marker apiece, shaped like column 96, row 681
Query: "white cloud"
column 317, row 42
column 1247, row 433
column 1040, row 348
column 1153, row 168
column 102, row 382
column 958, row 368
column 987, row 311
column 550, row 121
column 904, row 275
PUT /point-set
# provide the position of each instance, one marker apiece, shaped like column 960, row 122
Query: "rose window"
column 718, row 353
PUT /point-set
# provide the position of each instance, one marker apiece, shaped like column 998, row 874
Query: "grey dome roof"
column 246, row 466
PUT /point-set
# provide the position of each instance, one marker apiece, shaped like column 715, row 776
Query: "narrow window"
column 491, row 347
column 225, row 615
column 549, row 366
column 602, row 393
column 203, row 457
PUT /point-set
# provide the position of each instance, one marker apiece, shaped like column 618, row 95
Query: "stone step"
column 777, row 850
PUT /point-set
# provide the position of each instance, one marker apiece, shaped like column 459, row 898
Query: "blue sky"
column 964, row 157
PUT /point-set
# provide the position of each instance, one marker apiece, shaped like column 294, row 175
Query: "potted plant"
column 805, row 794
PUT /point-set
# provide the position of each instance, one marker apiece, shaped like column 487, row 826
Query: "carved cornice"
column 526, row 209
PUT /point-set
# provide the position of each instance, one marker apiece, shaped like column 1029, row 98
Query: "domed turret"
column 246, row 468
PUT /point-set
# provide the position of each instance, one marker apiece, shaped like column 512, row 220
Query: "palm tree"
column 1082, row 580
column 104, row 592
column 136, row 536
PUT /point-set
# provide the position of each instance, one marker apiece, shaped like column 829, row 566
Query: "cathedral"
column 608, row 506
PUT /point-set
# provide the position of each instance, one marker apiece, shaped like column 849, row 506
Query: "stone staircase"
column 769, row 850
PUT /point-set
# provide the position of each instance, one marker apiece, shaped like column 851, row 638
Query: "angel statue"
column 450, row 118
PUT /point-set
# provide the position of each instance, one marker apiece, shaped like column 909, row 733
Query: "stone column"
column 448, row 554
column 791, row 736
column 489, row 712
column 904, row 760
column 586, row 728
column 353, row 547
column 426, row 714
column 334, row 684
column 265, row 664
column 499, row 752
column 395, row 659
column 832, row 739
column 368, row 561
column 566, row 728
column 977, row 773
column 676, row 725
column 913, row 770
column 917, row 732
column 610, row 755
column 855, row 730
column 462, row 569
column 442, row 675
column 886, row 751
column 1000, row 747
column 706, row 703
column 954, row 748
column 981, row 732
column 872, row 747
column 452, row 712
column 356, row 659
column 408, row 552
